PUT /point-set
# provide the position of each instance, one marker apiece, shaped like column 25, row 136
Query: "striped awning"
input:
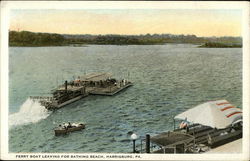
column 217, row 114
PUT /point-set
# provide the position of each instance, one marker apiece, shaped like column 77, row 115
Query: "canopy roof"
column 217, row 114
column 95, row 77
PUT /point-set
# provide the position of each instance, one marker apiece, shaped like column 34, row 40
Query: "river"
column 168, row 79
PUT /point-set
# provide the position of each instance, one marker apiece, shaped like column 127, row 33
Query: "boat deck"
column 70, row 88
column 108, row 91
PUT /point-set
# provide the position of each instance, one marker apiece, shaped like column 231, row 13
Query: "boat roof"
column 95, row 77
column 171, row 138
column 69, row 88
column 216, row 114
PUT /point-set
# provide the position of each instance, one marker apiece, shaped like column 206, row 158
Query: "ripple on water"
column 176, row 78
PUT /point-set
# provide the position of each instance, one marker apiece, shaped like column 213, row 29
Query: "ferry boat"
column 91, row 84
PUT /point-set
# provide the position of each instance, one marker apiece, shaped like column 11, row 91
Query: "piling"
column 174, row 124
column 147, row 143
column 66, row 84
column 134, row 146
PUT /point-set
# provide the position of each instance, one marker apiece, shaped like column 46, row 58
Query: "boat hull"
column 64, row 131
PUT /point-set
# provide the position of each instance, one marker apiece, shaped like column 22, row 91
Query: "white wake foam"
column 31, row 111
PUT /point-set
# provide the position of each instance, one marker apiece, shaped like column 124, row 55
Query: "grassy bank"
column 220, row 45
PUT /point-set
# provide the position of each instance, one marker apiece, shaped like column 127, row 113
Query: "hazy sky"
column 129, row 21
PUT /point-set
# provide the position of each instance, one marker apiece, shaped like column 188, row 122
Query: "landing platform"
column 171, row 138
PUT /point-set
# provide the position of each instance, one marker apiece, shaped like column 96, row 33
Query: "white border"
column 125, row 5
column 6, row 6
column 4, row 80
column 246, row 80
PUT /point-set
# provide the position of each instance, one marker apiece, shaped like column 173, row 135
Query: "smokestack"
column 147, row 143
column 66, row 84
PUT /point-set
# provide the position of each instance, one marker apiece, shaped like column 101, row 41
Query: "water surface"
column 168, row 79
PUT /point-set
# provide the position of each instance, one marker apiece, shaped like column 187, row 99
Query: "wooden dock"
column 198, row 139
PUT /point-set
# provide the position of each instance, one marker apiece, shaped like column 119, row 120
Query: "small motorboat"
column 66, row 128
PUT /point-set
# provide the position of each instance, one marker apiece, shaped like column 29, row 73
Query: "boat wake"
column 31, row 111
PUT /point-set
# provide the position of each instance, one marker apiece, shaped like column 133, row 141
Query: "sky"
column 205, row 22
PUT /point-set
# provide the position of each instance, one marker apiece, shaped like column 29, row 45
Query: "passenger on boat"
column 184, row 125
column 77, row 81
column 124, row 82
column 69, row 125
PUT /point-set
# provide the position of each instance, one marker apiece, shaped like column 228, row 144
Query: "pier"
column 200, row 139
column 198, row 134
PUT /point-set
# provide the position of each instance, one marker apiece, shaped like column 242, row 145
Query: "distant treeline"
column 25, row 38
column 148, row 39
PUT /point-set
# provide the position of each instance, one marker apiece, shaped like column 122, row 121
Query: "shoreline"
column 34, row 39
column 86, row 45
